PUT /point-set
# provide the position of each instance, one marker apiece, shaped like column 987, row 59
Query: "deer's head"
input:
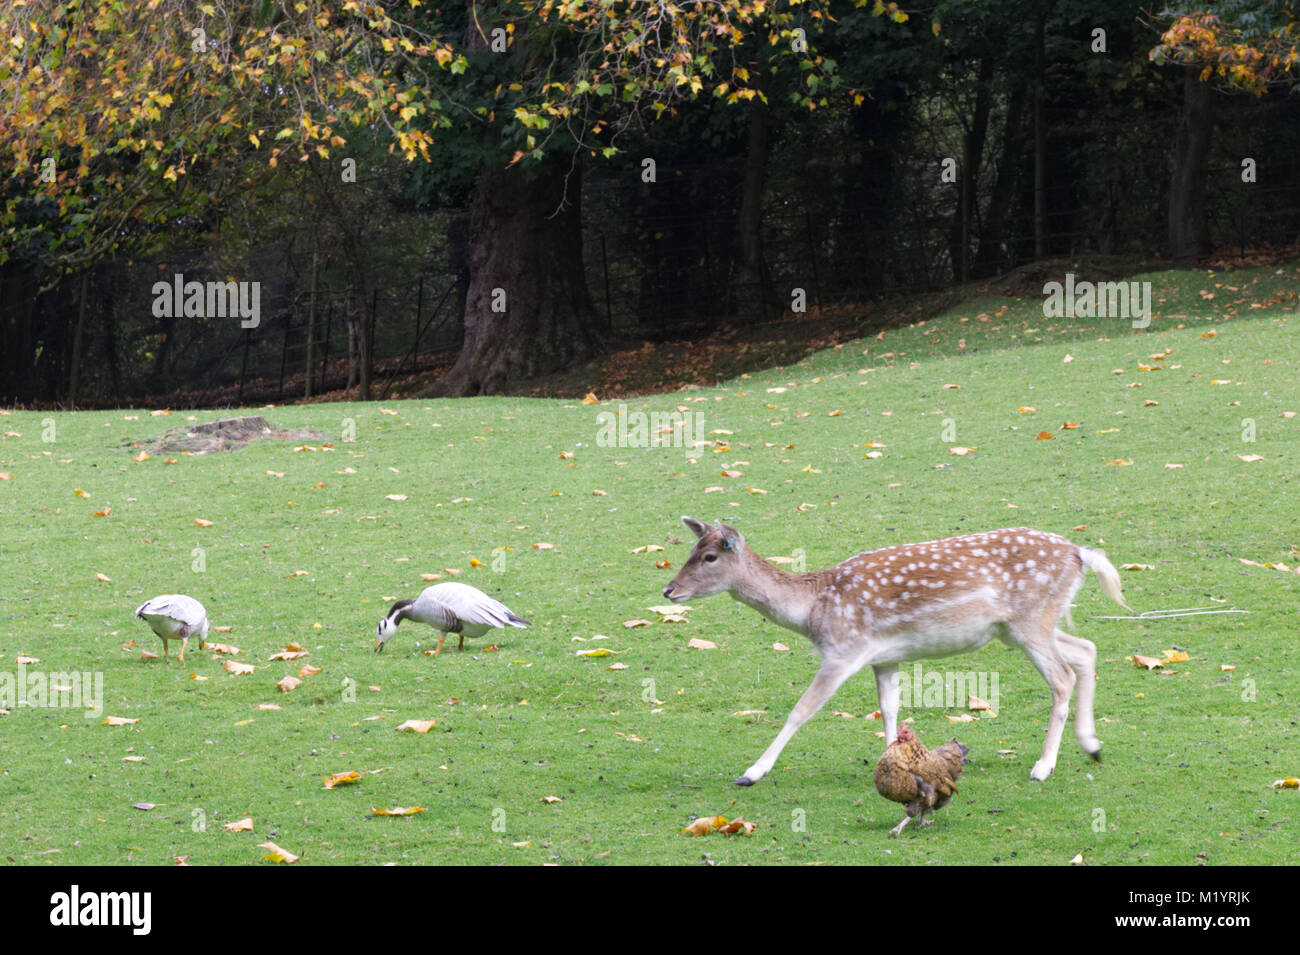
column 714, row 564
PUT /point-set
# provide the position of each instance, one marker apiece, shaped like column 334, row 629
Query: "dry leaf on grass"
column 308, row 670
column 119, row 721
column 551, row 799
column 962, row 718
column 646, row 549
column 1271, row 565
column 397, row 811
column 289, row 683
column 418, row 726
column 636, row 623
column 1149, row 662
column 698, row 644
column 237, row 668
column 705, row 824
column 341, row 779
column 737, row 825
column 239, row 825
column 276, row 854
column 1289, row 783
column 289, row 655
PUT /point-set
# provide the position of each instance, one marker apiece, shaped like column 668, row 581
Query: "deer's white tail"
column 1106, row 573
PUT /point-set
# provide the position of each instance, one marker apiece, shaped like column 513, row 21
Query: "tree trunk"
column 78, row 336
column 309, row 375
column 755, row 295
column 991, row 258
column 1040, row 139
column 972, row 156
column 1189, row 231
column 527, row 308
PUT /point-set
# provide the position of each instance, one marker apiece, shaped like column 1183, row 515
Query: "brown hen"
column 920, row 779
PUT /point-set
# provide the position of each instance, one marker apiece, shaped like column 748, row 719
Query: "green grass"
column 1189, row 755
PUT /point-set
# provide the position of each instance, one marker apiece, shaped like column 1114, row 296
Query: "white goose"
column 450, row 608
column 173, row 616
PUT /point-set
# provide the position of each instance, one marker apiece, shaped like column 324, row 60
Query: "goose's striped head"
column 388, row 626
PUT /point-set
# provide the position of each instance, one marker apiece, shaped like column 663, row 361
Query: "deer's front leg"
column 832, row 674
column 887, row 697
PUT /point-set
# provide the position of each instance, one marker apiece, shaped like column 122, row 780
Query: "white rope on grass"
column 1167, row 614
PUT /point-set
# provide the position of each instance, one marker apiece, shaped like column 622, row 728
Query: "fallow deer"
column 917, row 601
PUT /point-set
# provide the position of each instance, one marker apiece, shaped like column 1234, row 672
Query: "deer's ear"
column 732, row 539
column 698, row 528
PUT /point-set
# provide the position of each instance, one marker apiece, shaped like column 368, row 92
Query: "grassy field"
column 306, row 545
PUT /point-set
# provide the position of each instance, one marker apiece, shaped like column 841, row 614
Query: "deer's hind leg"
column 1081, row 656
column 1040, row 646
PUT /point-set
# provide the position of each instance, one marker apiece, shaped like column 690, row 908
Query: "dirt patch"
column 226, row 434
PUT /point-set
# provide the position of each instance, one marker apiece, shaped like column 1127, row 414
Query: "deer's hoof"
column 743, row 781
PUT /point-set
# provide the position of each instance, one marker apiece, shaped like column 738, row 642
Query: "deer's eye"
column 710, row 558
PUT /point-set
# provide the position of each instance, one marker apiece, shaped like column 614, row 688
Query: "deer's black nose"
column 668, row 591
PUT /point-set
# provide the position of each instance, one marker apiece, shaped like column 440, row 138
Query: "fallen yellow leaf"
column 418, row 726
column 705, row 824
column 340, row 779
column 277, row 854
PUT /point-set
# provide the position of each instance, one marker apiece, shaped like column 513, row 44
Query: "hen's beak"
column 379, row 647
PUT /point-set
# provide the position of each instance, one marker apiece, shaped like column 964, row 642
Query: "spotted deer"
column 917, row 601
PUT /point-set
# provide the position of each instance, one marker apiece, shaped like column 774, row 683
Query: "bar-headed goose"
column 173, row 616
column 450, row 608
